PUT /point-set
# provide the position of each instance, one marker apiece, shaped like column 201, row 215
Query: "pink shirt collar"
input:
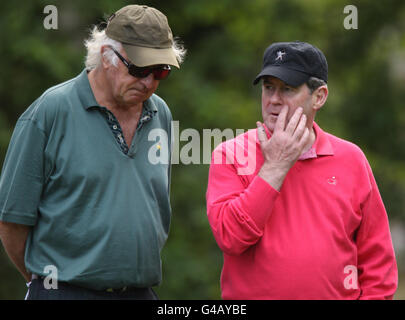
column 321, row 146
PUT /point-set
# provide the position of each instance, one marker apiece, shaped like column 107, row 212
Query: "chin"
column 270, row 125
column 134, row 99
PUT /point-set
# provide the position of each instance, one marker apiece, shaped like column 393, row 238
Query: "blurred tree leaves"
column 213, row 89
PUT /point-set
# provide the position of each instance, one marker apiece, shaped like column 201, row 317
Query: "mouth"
column 134, row 89
column 273, row 116
column 136, row 92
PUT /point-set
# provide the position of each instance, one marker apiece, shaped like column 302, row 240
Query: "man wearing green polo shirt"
column 84, row 214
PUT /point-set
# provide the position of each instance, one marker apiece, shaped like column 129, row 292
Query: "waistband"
column 108, row 290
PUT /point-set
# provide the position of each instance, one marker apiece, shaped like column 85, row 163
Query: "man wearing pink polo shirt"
column 307, row 221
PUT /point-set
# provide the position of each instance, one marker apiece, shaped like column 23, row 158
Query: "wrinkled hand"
column 285, row 146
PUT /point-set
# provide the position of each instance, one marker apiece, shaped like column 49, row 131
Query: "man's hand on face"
column 285, row 146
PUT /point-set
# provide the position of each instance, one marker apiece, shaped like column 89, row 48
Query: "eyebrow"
column 267, row 81
column 271, row 81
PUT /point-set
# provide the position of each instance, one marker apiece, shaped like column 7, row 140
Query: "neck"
column 312, row 138
column 98, row 84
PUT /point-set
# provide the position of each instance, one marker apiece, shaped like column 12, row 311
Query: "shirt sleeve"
column 237, row 213
column 22, row 175
column 377, row 268
column 170, row 149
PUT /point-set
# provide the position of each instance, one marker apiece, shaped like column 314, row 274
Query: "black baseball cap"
column 293, row 63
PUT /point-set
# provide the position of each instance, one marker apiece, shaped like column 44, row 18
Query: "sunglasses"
column 159, row 72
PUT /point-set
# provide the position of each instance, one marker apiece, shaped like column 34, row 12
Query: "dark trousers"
column 66, row 291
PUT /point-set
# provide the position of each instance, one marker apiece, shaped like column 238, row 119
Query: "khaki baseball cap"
column 145, row 35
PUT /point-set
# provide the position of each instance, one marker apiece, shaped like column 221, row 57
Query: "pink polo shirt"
column 325, row 235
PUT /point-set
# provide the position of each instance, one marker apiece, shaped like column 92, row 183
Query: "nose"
column 275, row 97
column 148, row 81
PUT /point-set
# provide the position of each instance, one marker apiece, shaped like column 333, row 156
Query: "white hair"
column 93, row 45
column 98, row 38
column 179, row 50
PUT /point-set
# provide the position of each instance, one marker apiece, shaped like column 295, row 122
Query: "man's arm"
column 238, row 214
column 21, row 185
column 14, row 237
column 283, row 149
column 377, row 267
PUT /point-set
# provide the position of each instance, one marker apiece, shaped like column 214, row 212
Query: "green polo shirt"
column 100, row 213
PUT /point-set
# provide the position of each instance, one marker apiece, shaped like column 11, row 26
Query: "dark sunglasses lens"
column 137, row 72
column 158, row 73
column 161, row 73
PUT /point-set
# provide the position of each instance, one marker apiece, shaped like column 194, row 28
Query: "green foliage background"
column 225, row 41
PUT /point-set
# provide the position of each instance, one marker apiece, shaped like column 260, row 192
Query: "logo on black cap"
column 280, row 55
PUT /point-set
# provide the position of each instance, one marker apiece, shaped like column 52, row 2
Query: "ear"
column 319, row 97
column 104, row 60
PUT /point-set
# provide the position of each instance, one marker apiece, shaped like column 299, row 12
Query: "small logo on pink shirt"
column 332, row 181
